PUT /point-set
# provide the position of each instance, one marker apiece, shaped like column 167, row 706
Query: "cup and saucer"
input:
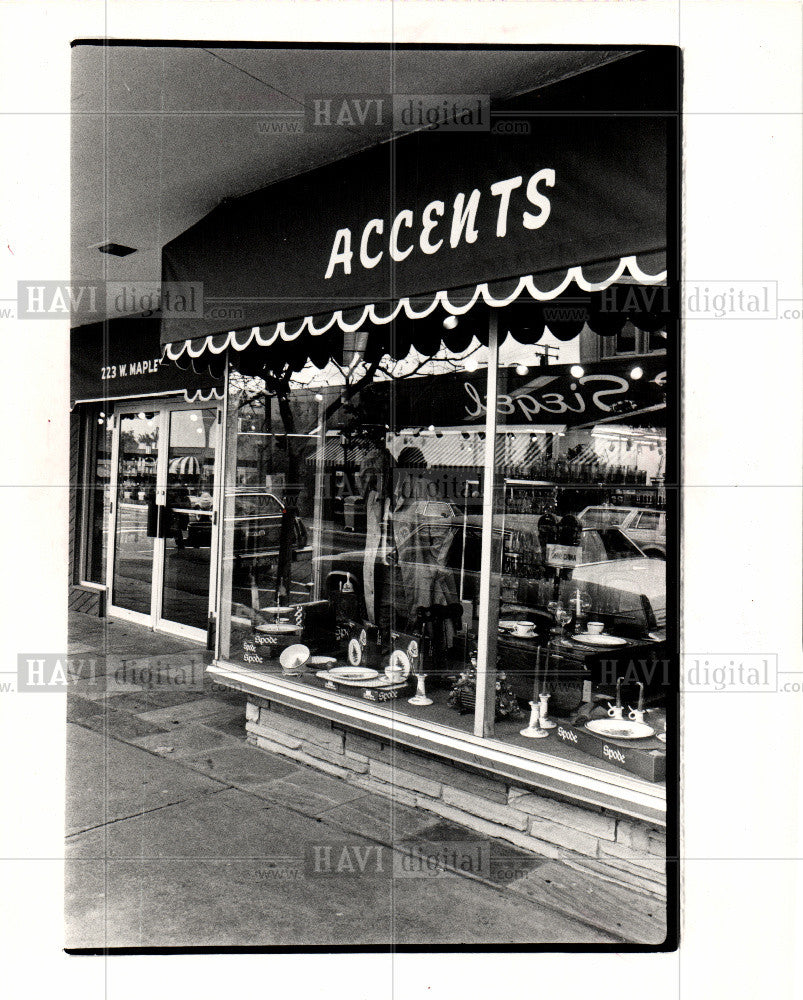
column 523, row 630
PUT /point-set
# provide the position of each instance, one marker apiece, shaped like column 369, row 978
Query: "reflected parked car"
column 258, row 518
column 644, row 526
column 622, row 582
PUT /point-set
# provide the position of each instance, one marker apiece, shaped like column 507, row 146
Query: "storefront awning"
column 389, row 234
column 122, row 359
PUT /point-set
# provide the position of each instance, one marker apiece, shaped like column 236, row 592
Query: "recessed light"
column 116, row 249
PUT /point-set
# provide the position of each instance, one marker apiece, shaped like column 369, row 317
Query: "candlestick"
column 534, row 730
column 618, row 692
column 640, row 706
column 420, row 696
column 546, row 722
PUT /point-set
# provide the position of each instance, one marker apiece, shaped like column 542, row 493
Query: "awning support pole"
column 489, row 581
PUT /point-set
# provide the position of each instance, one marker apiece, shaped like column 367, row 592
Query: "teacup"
column 524, row 628
column 394, row 673
column 595, row 628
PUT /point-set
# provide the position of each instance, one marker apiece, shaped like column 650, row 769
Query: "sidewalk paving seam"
column 146, row 812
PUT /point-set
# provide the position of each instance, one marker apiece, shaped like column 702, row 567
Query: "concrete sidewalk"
column 181, row 834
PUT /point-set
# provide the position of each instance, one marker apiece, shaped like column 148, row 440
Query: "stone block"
column 494, row 830
column 564, row 836
column 634, row 835
column 587, row 821
column 485, row 809
column 318, row 731
column 340, row 759
column 367, row 746
column 405, row 779
column 391, row 792
column 303, row 758
column 637, row 859
column 657, row 845
column 274, row 735
column 251, row 712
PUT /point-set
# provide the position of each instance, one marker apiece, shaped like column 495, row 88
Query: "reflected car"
column 622, row 582
column 644, row 526
column 257, row 521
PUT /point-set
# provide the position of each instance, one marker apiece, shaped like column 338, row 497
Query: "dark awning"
column 122, row 359
column 581, row 201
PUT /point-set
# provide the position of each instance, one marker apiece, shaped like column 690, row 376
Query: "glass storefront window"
column 579, row 519
column 355, row 524
column 354, row 535
column 96, row 475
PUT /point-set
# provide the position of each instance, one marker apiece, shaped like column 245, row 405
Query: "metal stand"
column 534, row 730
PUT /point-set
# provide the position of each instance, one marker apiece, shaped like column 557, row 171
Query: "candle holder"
column 546, row 722
column 420, row 696
column 534, row 730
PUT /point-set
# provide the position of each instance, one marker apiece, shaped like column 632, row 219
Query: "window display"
column 353, row 542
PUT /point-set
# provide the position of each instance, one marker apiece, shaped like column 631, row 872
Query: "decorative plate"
column 399, row 660
column 355, row 652
column 294, row 657
column 279, row 609
column 598, row 639
column 278, row 628
column 508, row 626
column 620, row 729
column 353, row 673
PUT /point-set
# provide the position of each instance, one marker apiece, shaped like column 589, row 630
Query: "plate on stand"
column 278, row 628
column 353, row 673
column 598, row 639
column 620, row 729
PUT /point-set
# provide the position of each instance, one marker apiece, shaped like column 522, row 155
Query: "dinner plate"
column 620, row 729
column 508, row 625
column 353, row 673
column 278, row 628
column 598, row 639
column 321, row 661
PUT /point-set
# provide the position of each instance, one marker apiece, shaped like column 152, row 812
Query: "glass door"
column 161, row 567
column 132, row 553
column 187, row 562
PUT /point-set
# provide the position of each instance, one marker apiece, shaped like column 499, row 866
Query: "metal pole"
column 487, row 635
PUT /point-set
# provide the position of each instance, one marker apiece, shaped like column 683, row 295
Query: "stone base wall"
column 625, row 851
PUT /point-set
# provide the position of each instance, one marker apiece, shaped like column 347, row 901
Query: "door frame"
column 162, row 408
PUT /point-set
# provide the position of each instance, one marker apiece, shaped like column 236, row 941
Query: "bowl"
column 395, row 673
column 293, row 658
column 595, row 628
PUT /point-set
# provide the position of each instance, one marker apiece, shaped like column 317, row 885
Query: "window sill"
column 622, row 793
